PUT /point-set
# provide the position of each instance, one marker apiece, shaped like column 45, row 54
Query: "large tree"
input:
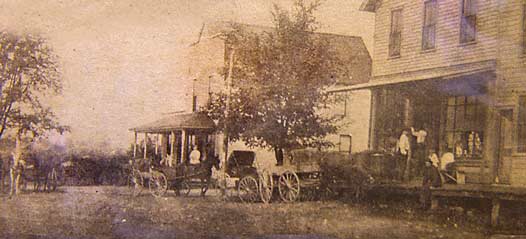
column 28, row 74
column 279, row 82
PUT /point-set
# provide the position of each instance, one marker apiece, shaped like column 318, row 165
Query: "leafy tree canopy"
column 28, row 73
column 279, row 83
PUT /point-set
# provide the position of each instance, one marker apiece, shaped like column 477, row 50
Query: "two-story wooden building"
column 456, row 67
column 205, row 64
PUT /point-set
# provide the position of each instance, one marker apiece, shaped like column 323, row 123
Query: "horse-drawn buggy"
column 181, row 178
column 299, row 177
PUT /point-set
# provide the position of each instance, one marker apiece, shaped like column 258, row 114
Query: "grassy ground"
column 110, row 212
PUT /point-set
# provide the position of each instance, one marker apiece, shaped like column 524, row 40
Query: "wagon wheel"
column 289, row 186
column 52, row 180
column 158, row 184
column 135, row 182
column 247, row 189
column 266, row 186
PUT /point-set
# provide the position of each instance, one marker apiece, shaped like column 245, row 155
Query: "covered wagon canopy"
column 176, row 122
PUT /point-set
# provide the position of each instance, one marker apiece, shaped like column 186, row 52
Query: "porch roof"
column 177, row 122
column 446, row 73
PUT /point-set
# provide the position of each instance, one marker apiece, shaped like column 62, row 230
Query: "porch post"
column 172, row 144
column 135, row 145
column 491, row 138
column 408, row 121
column 184, row 143
column 156, row 144
column 408, row 113
column 164, row 142
column 372, row 119
column 145, row 145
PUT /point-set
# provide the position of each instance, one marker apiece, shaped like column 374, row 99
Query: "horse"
column 202, row 171
column 42, row 172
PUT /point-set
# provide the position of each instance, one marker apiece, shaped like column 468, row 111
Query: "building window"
column 521, row 137
column 395, row 38
column 345, row 143
column 429, row 27
column 339, row 104
column 464, row 126
column 468, row 23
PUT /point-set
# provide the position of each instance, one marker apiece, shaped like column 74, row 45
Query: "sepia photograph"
column 263, row 119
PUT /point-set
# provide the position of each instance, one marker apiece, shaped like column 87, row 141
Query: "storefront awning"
column 176, row 122
column 448, row 73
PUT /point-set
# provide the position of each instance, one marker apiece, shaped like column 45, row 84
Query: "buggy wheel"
column 247, row 189
column 289, row 186
column 135, row 182
column 266, row 186
column 158, row 184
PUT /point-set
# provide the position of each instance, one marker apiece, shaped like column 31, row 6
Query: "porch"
column 174, row 136
column 495, row 193
column 459, row 117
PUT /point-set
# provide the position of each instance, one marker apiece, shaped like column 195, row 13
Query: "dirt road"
column 110, row 212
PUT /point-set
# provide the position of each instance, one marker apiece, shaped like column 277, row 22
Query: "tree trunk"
column 278, row 153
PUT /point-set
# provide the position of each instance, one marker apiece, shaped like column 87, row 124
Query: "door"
column 503, row 164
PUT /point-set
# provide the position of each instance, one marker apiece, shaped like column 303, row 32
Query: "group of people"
column 420, row 148
column 424, row 162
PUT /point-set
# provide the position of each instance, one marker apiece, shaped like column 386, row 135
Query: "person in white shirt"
column 403, row 143
column 420, row 149
column 195, row 156
column 420, row 135
column 403, row 147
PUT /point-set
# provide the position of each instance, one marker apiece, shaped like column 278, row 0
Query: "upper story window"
column 429, row 27
column 468, row 21
column 395, row 38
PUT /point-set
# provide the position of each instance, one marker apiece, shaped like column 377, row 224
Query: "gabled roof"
column 177, row 122
column 370, row 5
column 350, row 49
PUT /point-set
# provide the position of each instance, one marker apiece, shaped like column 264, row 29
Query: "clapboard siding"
column 448, row 49
column 518, row 172
column 511, row 70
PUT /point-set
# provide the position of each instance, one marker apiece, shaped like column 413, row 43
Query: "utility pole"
column 227, row 109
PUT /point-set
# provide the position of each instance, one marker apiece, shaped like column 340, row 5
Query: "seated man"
column 447, row 166
column 195, row 156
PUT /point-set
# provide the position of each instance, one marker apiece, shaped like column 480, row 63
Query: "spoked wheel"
column 158, row 184
column 247, row 189
column 135, row 182
column 266, row 186
column 289, row 186
column 52, row 180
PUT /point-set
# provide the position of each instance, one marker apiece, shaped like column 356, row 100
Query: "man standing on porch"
column 404, row 147
column 420, row 149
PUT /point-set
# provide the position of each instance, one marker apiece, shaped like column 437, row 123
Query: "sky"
column 121, row 60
